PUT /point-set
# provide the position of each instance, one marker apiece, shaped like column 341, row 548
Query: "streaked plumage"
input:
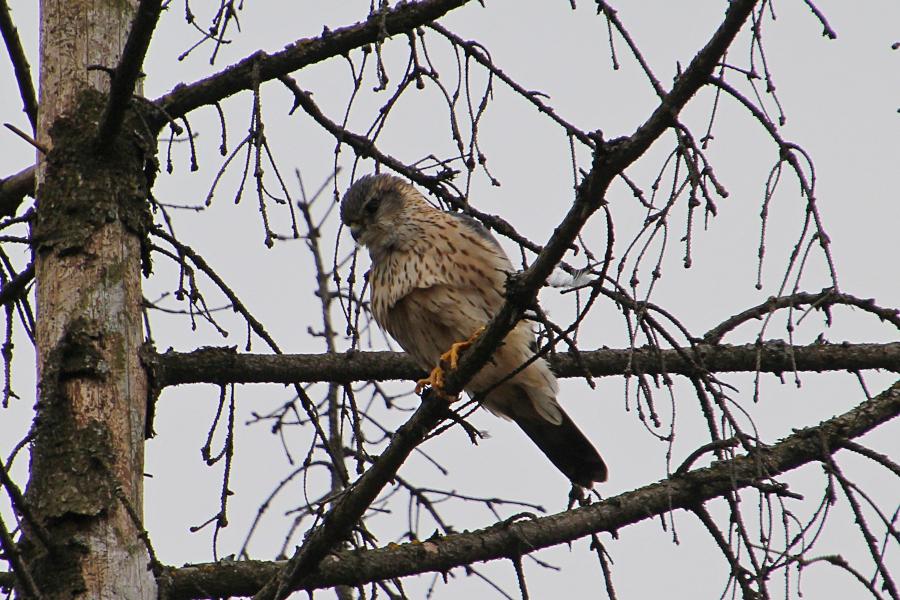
column 436, row 278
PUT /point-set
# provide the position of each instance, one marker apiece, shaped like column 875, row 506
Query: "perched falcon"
column 437, row 278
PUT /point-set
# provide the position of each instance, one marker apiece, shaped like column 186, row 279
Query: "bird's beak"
column 355, row 231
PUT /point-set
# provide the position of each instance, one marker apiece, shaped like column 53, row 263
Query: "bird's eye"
column 372, row 205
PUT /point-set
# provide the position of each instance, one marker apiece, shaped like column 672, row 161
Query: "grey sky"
column 840, row 98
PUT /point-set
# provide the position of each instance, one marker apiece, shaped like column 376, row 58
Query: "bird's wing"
column 441, row 292
column 458, row 254
column 448, row 284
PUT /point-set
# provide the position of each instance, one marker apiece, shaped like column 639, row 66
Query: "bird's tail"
column 566, row 447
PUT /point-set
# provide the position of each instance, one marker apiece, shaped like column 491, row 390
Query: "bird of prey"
column 437, row 278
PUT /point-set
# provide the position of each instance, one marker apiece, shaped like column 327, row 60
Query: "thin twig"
column 41, row 147
column 12, row 555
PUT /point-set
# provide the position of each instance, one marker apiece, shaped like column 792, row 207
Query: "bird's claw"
column 451, row 356
column 435, row 381
column 450, row 359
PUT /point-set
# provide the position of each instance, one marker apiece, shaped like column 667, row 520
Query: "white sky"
column 841, row 99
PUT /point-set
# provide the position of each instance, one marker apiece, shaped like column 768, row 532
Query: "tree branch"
column 12, row 291
column 823, row 300
column 610, row 160
column 13, row 190
column 241, row 76
column 226, row 365
column 503, row 540
column 261, row 66
column 21, row 573
column 338, row 522
column 127, row 73
column 20, row 63
column 477, row 51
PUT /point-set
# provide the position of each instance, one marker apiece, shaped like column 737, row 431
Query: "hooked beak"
column 355, row 231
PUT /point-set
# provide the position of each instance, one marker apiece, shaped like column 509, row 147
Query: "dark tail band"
column 566, row 447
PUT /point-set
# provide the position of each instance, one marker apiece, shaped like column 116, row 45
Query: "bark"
column 87, row 454
column 226, row 365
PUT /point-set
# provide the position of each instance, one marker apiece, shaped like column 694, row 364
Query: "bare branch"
column 127, row 73
column 860, row 520
column 346, row 512
column 22, row 575
column 240, row 77
column 12, row 291
column 477, row 51
column 877, row 457
column 501, row 541
column 252, row 322
column 20, row 63
column 13, row 190
column 39, row 146
column 225, row 365
column 22, row 507
column 822, row 301
column 610, row 159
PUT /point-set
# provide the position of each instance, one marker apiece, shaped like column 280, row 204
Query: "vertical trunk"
column 87, row 453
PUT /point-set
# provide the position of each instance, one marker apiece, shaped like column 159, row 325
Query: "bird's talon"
column 451, row 356
column 435, row 380
column 449, row 359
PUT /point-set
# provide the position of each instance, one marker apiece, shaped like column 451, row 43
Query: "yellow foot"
column 435, row 381
column 451, row 356
column 449, row 359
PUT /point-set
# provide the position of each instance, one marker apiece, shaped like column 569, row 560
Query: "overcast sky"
column 840, row 98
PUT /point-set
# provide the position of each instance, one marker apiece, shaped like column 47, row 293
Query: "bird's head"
column 373, row 209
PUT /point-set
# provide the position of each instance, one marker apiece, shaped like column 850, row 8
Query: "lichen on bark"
column 89, row 237
column 78, row 486
column 92, row 186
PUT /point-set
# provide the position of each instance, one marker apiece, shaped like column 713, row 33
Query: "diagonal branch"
column 609, row 160
column 21, row 573
column 338, row 522
column 225, row 365
column 260, row 66
column 503, row 540
column 20, row 63
column 125, row 77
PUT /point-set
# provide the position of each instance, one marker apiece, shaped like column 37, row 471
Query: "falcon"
column 437, row 279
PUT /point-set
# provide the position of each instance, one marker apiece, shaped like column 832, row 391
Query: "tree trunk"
column 87, row 454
